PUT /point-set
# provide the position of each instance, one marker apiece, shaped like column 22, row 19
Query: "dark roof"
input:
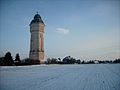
column 37, row 19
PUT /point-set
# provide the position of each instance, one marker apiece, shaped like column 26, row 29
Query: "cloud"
column 62, row 31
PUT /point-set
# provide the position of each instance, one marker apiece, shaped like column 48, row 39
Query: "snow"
column 61, row 77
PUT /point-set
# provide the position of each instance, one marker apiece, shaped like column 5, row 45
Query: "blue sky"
column 85, row 29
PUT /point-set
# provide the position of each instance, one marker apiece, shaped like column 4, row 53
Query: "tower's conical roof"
column 37, row 19
column 37, row 16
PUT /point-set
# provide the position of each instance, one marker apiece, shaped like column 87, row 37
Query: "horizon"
column 83, row 29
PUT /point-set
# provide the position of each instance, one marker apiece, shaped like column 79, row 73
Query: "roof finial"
column 37, row 12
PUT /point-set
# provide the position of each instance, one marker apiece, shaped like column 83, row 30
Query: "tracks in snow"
column 62, row 77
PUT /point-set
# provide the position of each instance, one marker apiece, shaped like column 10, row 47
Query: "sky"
column 84, row 29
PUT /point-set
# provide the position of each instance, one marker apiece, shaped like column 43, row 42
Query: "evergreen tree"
column 8, row 60
column 17, row 59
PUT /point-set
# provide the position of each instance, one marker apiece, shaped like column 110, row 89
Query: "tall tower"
column 37, row 39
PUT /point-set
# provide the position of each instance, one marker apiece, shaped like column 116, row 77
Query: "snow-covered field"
column 61, row 77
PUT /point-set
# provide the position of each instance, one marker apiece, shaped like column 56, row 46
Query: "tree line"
column 7, row 60
column 71, row 60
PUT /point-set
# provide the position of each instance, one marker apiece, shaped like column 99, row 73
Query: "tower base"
column 37, row 57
